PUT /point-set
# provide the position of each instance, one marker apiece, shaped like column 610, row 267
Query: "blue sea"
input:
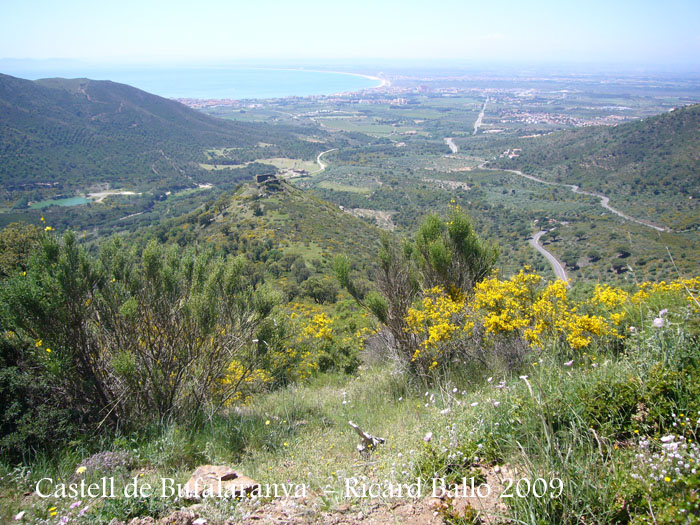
column 216, row 83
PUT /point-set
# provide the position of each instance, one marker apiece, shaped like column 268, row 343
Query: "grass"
column 368, row 126
column 335, row 186
column 290, row 164
column 565, row 423
column 277, row 162
column 216, row 167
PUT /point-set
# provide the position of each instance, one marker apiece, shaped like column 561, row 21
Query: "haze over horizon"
column 543, row 31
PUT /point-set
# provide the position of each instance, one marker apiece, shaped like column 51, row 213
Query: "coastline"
column 132, row 77
column 383, row 82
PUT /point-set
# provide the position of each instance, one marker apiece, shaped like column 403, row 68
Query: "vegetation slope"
column 648, row 167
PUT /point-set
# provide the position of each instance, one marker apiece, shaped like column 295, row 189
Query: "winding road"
column 556, row 265
column 321, row 165
column 604, row 202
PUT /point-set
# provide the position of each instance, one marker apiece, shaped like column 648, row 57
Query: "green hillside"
column 650, row 168
column 82, row 132
column 63, row 139
column 269, row 225
column 210, row 317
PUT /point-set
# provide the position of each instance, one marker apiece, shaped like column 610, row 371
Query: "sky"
column 211, row 31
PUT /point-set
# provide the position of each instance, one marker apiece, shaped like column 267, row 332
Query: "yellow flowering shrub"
column 319, row 327
column 524, row 307
column 435, row 320
column 646, row 289
column 608, row 296
column 247, row 382
column 318, row 339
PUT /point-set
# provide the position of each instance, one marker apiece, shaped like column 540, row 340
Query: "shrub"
column 129, row 337
column 445, row 255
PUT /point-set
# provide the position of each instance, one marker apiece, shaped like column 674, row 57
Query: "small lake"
column 68, row 201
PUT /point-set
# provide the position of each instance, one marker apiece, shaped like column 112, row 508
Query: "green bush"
column 123, row 508
column 611, row 403
column 31, row 418
column 126, row 337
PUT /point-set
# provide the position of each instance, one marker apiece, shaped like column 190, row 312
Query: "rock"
column 180, row 517
column 147, row 520
column 108, row 461
column 217, row 480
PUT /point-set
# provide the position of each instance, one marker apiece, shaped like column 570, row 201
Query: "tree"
column 321, row 290
column 299, row 270
column 445, row 254
column 451, row 255
column 17, row 241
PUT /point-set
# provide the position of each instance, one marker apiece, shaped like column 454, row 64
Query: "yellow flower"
column 38, row 343
column 48, row 350
column 42, row 218
column 48, row 229
column 267, row 422
column 80, row 470
column 667, row 479
column 286, row 444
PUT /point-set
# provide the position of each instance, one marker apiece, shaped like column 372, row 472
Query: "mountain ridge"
column 82, row 131
column 645, row 165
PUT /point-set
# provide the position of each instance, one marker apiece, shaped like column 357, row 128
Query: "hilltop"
column 648, row 167
column 82, row 131
column 268, row 223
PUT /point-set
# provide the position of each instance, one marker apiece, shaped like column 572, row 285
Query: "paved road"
column 556, row 265
column 604, row 200
column 480, row 118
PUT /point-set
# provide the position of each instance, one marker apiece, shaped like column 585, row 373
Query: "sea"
column 215, row 82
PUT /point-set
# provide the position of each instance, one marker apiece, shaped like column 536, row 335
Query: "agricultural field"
column 430, row 141
column 497, row 278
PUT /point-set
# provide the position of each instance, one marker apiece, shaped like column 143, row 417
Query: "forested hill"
column 650, row 167
column 82, row 131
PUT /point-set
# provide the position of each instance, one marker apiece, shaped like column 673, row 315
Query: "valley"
column 368, row 263
column 413, row 146
column 429, row 129
column 449, row 260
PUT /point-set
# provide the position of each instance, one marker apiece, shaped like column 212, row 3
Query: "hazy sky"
column 633, row 31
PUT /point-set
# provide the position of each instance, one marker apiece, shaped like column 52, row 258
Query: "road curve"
column 321, row 165
column 451, row 144
column 556, row 265
column 604, row 201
